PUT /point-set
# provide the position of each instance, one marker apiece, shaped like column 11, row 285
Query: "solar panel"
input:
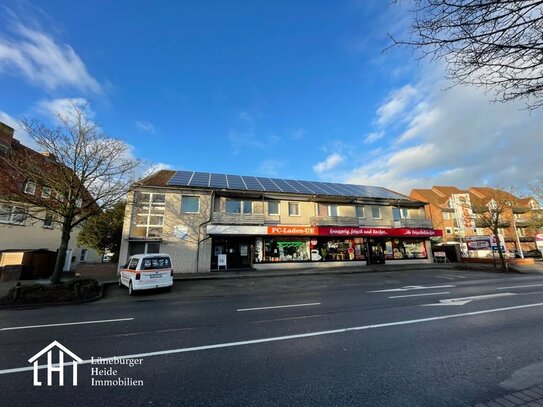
column 218, row 181
column 285, row 186
column 261, row 184
column 253, row 184
column 300, row 187
column 200, row 179
column 181, row 178
column 235, row 182
column 269, row 185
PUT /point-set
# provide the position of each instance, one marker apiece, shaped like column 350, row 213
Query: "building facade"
column 21, row 233
column 455, row 210
column 221, row 222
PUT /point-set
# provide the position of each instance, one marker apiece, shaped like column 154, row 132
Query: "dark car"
column 529, row 253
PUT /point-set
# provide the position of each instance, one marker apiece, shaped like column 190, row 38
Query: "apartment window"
column 293, row 209
column 446, row 215
column 79, row 202
column 30, row 188
column 48, row 221
column 143, row 248
column 501, row 231
column 448, row 231
column 376, row 212
column 83, row 256
column 46, row 192
column 400, row 213
column 190, row 204
column 149, row 214
column 60, row 196
column 12, row 214
column 520, row 232
column 236, row 206
column 360, row 211
column 273, row 208
column 333, row 210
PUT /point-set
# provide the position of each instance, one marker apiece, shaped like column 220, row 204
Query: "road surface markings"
column 284, row 338
column 520, row 286
column 279, row 306
column 13, row 328
column 411, row 287
column 465, row 300
column 419, row 295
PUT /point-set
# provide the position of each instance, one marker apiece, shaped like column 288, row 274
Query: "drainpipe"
column 212, row 209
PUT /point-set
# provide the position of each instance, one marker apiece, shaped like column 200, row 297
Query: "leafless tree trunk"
column 83, row 171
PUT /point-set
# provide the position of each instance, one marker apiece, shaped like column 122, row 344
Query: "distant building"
column 453, row 210
column 215, row 221
column 20, row 234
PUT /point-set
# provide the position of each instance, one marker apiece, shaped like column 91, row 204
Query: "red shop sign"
column 377, row 232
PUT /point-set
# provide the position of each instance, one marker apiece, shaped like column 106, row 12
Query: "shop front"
column 269, row 245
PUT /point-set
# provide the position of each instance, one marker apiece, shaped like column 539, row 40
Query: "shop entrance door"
column 238, row 252
column 376, row 253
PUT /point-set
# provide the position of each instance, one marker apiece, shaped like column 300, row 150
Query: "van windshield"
column 154, row 263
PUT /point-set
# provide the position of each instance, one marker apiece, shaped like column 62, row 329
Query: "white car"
column 146, row 271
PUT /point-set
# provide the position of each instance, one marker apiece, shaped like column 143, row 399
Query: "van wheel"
column 130, row 289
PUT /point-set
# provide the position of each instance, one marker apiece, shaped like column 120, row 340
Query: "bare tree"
column 493, row 44
column 493, row 213
column 81, row 172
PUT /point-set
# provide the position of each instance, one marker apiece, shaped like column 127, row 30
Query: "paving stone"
column 524, row 396
column 504, row 402
column 480, row 405
column 532, row 394
column 537, row 390
column 514, row 399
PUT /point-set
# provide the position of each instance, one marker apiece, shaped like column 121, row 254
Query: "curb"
column 54, row 304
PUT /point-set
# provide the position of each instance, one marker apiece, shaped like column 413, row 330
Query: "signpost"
column 222, row 261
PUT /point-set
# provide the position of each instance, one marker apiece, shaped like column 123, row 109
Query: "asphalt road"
column 410, row 338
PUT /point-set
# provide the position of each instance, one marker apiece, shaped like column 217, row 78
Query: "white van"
column 146, row 271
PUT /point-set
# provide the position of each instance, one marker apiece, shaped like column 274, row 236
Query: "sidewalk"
column 111, row 277
column 536, row 268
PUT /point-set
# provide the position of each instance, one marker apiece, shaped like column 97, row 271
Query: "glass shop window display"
column 286, row 249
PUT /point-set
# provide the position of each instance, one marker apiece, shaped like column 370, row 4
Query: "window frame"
column 297, row 205
column 278, row 208
column 46, row 195
column 357, row 208
column 12, row 213
column 330, row 206
column 48, row 215
column 242, row 206
column 27, row 185
column 197, row 197
column 146, row 209
column 378, row 208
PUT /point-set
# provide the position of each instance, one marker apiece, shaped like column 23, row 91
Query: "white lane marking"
column 445, row 278
column 279, row 306
column 13, row 328
column 419, row 295
column 465, row 300
column 411, row 287
column 520, row 286
column 284, row 338
column 455, row 276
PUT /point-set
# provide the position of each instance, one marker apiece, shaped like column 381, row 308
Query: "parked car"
column 146, row 271
column 533, row 253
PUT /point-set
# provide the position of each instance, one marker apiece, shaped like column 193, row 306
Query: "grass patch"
column 71, row 291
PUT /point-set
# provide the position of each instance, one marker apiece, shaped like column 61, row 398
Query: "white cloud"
column 374, row 136
column 39, row 58
column 155, row 168
column 145, row 126
column 395, row 104
column 456, row 137
column 271, row 168
column 331, row 162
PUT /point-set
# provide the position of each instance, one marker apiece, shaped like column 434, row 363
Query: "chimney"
column 6, row 135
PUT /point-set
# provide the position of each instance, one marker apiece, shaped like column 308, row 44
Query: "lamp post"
column 517, row 238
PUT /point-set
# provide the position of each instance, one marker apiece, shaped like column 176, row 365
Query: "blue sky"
column 292, row 89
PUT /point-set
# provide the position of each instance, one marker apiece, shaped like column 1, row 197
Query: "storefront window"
column 329, row 249
column 286, row 249
column 398, row 249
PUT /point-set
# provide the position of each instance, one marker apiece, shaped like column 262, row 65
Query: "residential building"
column 21, row 233
column 214, row 221
column 455, row 210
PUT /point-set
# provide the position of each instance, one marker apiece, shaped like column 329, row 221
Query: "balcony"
column 523, row 223
column 334, row 221
column 386, row 223
column 414, row 223
column 503, row 224
column 237, row 218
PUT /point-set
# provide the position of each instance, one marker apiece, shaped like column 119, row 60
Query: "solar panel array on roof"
column 262, row 184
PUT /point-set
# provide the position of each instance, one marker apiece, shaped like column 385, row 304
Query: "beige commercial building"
column 223, row 222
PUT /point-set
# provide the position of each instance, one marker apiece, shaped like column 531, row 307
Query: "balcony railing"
column 334, row 221
column 238, row 218
column 415, row 223
column 523, row 223
column 387, row 223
